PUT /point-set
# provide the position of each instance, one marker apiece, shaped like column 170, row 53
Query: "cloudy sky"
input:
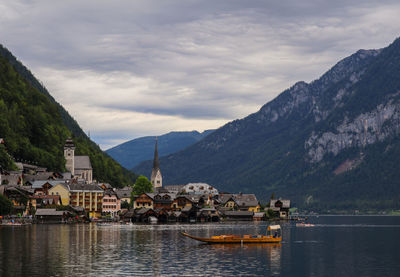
column 125, row 69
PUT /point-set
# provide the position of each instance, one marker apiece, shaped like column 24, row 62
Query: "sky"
column 126, row 69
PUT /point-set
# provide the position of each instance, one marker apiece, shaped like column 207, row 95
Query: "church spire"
column 156, row 177
column 156, row 162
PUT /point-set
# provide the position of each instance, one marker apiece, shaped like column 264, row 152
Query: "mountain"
column 34, row 126
column 133, row 152
column 329, row 145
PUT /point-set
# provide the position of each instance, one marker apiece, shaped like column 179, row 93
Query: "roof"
column 12, row 179
column 82, row 162
column 186, row 209
column 40, row 212
column 188, row 197
column 246, row 200
column 39, row 184
column 84, row 187
column 161, row 190
column 106, row 185
column 110, row 193
column 124, row 192
column 195, row 198
column 199, row 188
column 285, row 203
column 67, row 175
column 19, row 189
column 223, row 198
column 142, row 211
column 174, row 188
column 152, row 195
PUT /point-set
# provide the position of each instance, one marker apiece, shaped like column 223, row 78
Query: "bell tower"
column 69, row 155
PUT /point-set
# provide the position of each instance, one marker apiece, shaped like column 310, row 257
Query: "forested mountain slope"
column 332, row 144
column 35, row 127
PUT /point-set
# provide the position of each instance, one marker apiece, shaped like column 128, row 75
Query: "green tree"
column 124, row 205
column 142, row 185
column 270, row 214
column 5, row 205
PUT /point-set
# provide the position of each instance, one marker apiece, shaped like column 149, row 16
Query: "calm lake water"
column 335, row 246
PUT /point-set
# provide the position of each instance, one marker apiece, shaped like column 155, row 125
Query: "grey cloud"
column 192, row 59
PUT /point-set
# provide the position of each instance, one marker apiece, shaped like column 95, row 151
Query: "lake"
column 335, row 246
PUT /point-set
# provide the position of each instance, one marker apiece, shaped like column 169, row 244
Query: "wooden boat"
column 274, row 235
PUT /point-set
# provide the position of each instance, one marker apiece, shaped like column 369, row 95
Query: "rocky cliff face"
column 367, row 128
column 327, row 141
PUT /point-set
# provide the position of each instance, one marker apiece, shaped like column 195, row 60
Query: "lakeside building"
column 111, row 203
column 51, row 216
column 144, row 200
column 240, row 201
column 124, row 194
column 280, row 207
column 87, row 196
column 63, row 191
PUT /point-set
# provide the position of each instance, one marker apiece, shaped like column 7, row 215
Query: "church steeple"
column 156, row 177
column 156, row 162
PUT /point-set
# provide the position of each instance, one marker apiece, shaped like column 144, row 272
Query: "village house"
column 247, row 202
column 182, row 201
column 40, row 201
column 63, row 191
column 43, row 187
column 20, row 197
column 280, row 207
column 163, row 200
column 51, row 216
column 144, row 200
column 124, row 194
column 111, row 203
column 87, row 196
column 241, row 202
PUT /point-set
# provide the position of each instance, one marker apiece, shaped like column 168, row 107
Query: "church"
column 79, row 166
column 156, row 177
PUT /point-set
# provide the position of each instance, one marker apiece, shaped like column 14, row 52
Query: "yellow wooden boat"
column 274, row 235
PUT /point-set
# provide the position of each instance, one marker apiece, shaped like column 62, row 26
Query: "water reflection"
column 160, row 250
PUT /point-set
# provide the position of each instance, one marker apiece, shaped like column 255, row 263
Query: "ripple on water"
column 160, row 250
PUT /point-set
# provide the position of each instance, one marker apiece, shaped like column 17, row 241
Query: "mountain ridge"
column 132, row 152
column 279, row 148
